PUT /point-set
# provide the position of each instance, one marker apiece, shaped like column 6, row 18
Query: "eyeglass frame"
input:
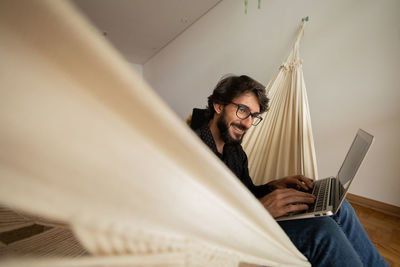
column 253, row 115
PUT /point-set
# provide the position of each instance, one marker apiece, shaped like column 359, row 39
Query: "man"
column 234, row 106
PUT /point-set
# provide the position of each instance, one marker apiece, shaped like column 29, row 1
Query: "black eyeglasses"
column 243, row 112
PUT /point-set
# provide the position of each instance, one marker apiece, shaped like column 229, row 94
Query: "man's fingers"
column 302, row 182
column 303, row 185
column 308, row 182
column 301, row 199
column 292, row 208
column 282, row 201
column 290, row 196
column 295, row 201
column 288, row 193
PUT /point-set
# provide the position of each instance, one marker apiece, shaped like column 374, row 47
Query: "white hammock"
column 283, row 143
column 87, row 143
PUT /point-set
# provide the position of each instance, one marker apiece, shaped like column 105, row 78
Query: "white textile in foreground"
column 85, row 142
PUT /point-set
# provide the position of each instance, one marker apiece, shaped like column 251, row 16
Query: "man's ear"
column 218, row 108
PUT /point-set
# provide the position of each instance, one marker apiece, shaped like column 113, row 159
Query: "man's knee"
column 324, row 228
column 318, row 238
column 346, row 214
column 316, row 230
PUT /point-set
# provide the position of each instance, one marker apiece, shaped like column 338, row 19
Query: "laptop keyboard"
column 321, row 193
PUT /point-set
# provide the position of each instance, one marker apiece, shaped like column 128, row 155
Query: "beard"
column 223, row 128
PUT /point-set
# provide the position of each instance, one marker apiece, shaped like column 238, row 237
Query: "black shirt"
column 235, row 158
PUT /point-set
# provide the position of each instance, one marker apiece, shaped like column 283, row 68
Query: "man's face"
column 232, row 129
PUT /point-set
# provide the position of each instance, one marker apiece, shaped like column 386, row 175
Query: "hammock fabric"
column 283, row 143
column 85, row 142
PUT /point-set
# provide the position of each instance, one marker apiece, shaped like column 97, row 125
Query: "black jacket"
column 233, row 155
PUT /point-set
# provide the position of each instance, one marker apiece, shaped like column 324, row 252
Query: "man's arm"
column 258, row 191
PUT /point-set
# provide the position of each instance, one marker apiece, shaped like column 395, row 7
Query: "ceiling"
column 139, row 29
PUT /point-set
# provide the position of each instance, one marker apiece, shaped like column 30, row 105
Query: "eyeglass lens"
column 243, row 113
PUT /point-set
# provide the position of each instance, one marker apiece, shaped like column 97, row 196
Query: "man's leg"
column 348, row 221
column 322, row 242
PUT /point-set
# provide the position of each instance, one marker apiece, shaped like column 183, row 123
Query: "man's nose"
column 248, row 122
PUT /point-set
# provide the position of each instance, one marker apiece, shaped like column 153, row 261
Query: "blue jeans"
column 338, row 240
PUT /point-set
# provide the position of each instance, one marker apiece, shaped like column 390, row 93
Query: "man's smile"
column 238, row 129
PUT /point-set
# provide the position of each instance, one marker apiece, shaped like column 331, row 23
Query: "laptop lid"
column 351, row 164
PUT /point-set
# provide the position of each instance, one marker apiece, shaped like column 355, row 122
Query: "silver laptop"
column 330, row 192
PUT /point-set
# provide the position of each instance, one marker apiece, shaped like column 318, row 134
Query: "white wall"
column 351, row 66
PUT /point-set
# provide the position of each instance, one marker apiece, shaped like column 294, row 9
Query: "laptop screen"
column 352, row 162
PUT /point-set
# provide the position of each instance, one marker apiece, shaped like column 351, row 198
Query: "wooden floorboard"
column 384, row 231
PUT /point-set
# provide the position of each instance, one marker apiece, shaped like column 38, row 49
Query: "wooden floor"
column 383, row 230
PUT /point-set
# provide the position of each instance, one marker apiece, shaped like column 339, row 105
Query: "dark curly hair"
column 233, row 86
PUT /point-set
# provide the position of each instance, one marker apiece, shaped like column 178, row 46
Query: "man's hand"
column 282, row 201
column 298, row 182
